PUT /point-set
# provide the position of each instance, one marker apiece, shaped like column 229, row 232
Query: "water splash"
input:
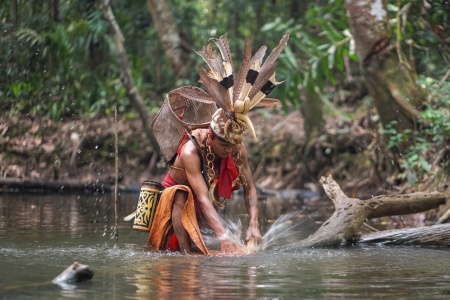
column 284, row 234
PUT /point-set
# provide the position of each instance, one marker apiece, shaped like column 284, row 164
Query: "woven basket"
column 177, row 115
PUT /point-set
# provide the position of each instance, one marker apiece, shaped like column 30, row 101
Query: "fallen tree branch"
column 350, row 213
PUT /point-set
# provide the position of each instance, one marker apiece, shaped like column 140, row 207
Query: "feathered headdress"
column 236, row 96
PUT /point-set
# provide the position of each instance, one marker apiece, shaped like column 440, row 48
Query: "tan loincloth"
column 162, row 222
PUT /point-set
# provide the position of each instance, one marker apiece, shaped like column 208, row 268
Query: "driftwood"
column 350, row 213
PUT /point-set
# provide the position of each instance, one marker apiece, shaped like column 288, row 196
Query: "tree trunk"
column 14, row 15
column 298, row 8
column 312, row 111
column 177, row 50
column 350, row 213
column 127, row 78
column 390, row 79
column 53, row 7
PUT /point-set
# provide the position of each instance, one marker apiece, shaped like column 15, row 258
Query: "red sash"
column 227, row 174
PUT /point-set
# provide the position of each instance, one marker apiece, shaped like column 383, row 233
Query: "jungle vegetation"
column 389, row 76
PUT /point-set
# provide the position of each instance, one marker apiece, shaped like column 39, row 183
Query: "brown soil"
column 40, row 149
column 35, row 149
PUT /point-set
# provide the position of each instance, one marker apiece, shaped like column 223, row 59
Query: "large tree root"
column 350, row 213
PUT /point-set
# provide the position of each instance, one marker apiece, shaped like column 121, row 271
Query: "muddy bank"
column 82, row 151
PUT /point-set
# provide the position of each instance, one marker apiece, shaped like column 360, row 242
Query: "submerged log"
column 436, row 235
column 350, row 213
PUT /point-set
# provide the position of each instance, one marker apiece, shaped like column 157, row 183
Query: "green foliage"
column 414, row 157
column 69, row 67
column 422, row 145
column 61, row 69
column 422, row 28
column 435, row 118
column 315, row 56
column 58, row 69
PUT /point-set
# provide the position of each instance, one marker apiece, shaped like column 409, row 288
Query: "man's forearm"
column 213, row 219
column 252, row 209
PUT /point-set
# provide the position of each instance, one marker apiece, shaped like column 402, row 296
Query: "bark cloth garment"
column 162, row 223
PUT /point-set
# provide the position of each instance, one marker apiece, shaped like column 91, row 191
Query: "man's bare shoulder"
column 189, row 151
column 190, row 158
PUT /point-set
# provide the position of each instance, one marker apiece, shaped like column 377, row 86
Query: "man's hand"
column 229, row 247
column 253, row 231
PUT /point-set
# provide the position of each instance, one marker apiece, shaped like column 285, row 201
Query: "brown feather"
column 275, row 52
column 215, row 90
column 262, row 79
column 243, row 69
column 212, row 59
column 224, row 48
column 252, row 73
column 259, row 55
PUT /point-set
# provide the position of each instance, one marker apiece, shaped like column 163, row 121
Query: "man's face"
column 222, row 148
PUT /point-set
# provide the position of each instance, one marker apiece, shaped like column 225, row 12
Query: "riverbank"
column 80, row 154
column 41, row 152
column 39, row 155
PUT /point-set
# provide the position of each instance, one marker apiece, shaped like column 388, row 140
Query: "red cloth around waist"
column 168, row 181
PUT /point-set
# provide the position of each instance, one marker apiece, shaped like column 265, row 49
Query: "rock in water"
column 74, row 273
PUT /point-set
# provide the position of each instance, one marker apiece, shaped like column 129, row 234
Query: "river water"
column 41, row 235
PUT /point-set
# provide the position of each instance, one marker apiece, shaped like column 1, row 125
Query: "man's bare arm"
column 191, row 162
column 251, row 199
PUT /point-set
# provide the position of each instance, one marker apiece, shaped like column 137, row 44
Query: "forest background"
column 365, row 95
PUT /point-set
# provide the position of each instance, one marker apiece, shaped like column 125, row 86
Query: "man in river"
column 212, row 162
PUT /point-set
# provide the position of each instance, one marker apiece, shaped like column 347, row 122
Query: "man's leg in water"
column 177, row 210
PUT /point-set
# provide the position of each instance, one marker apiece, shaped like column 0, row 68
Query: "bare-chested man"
column 212, row 162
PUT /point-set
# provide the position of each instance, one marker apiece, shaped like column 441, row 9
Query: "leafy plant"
column 316, row 55
column 432, row 135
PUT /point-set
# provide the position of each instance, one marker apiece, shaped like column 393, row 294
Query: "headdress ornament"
column 236, row 96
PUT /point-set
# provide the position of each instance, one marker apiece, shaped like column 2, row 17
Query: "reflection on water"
column 41, row 235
